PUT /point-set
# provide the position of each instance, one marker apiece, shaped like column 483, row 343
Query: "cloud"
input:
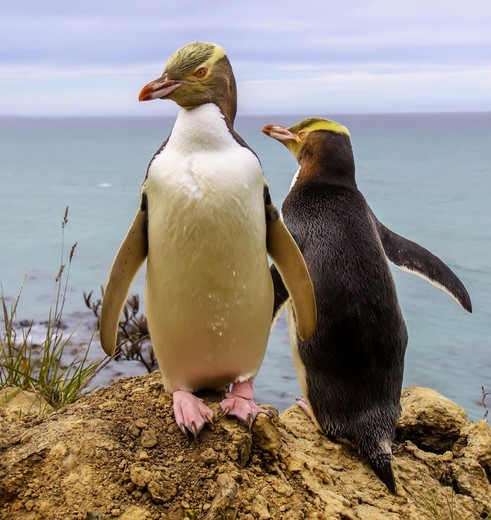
column 66, row 57
column 294, row 88
column 370, row 92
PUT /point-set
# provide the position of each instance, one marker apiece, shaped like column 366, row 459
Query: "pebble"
column 148, row 438
column 134, row 430
column 29, row 505
column 209, row 456
column 162, row 491
column 141, row 423
column 140, row 476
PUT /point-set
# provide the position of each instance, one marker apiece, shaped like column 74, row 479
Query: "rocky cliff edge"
column 118, row 454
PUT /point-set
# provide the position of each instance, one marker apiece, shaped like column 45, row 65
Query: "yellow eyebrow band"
column 321, row 124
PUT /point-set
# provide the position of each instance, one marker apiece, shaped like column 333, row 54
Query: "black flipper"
column 414, row 258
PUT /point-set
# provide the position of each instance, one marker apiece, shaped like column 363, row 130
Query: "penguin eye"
column 302, row 136
column 201, row 73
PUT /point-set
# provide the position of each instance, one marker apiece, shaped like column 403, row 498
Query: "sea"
column 426, row 176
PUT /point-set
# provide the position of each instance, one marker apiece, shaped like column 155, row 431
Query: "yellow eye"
column 201, row 73
column 302, row 136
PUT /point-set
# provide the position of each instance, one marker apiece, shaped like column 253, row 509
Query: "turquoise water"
column 428, row 177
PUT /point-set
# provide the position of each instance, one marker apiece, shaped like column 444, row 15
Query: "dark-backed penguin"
column 351, row 369
column 205, row 225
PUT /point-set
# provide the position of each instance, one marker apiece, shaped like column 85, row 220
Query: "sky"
column 86, row 57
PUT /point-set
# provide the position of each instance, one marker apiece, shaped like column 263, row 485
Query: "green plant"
column 41, row 368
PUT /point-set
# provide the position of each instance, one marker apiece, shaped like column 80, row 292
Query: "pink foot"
column 239, row 402
column 304, row 406
column 190, row 412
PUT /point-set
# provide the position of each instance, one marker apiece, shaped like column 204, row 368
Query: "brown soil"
column 119, row 455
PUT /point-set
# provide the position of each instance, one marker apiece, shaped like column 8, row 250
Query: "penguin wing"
column 290, row 263
column 129, row 259
column 410, row 256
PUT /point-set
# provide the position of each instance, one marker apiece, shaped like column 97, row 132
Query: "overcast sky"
column 91, row 57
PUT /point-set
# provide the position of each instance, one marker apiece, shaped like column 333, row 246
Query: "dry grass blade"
column 43, row 367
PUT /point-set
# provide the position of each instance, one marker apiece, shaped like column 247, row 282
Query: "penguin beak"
column 159, row 88
column 280, row 133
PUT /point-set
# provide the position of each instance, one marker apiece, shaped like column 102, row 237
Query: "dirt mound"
column 119, row 454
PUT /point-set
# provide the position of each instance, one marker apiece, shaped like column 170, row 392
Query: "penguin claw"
column 239, row 403
column 250, row 421
column 245, row 410
column 194, row 430
column 190, row 412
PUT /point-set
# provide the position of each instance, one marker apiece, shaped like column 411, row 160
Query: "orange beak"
column 159, row 88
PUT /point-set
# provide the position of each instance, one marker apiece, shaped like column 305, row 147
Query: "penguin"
column 351, row 369
column 205, row 226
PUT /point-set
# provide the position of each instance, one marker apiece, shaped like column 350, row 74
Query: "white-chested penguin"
column 205, row 226
column 351, row 369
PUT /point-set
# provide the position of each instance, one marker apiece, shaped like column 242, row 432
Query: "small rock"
column 140, row 476
column 134, row 431
column 29, row 505
column 26, row 438
column 162, row 491
column 225, row 503
column 209, row 456
column 141, row 423
column 148, row 438
column 260, row 508
column 266, row 435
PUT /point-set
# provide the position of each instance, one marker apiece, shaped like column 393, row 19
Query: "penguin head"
column 196, row 74
column 321, row 147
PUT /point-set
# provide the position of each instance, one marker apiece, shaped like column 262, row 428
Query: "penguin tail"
column 382, row 466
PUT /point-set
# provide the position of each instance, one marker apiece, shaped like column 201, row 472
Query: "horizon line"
column 262, row 114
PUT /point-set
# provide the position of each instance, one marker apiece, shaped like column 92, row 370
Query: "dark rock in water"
column 119, row 454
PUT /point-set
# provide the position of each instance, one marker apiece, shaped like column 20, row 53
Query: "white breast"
column 208, row 291
column 203, row 162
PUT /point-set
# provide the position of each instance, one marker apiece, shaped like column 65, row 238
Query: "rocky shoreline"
column 119, row 455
